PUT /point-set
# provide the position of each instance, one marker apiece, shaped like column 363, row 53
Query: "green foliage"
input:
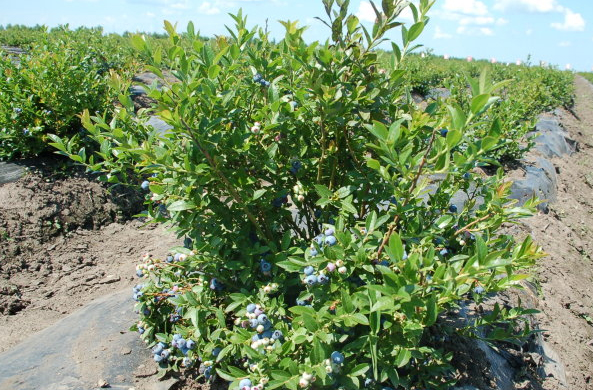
column 531, row 91
column 46, row 89
column 273, row 149
column 587, row 75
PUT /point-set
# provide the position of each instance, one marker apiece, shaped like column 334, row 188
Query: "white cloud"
column 481, row 21
column 440, row 34
column 208, row 8
column 466, row 7
column 528, row 31
column 573, row 21
column 532, row 6
column 565, row 44
column 365, row 12
column 475, row 31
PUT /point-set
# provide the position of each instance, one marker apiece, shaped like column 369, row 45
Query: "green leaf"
column 181, row 205
column 479, row 102
column 359, row 369
column 213, row 71
column 415, row 31
column 258, row 193
column 323, row 191
column 403, row 357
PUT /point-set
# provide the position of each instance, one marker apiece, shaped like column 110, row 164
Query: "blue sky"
column 559, row 32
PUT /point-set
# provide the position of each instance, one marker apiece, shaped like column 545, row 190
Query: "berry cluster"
column 246, row 384
column 258, row 78
column 299, row 191
column 266, row 338
column 327, row 238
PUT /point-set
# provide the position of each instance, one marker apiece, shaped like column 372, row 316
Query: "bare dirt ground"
column 565, row 276
column 66, row 241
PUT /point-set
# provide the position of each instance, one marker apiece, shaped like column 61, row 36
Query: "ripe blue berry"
column 322, row 279
column 244, row 383
column 216, row 351
column 257, row 77
column 337, row 357
column 311, row 280
column 319, row 239
column 141, row 330
column 277, row 335
column 309, row 270
column 165, row 354
column 262, row 319
column 444, row 132
column 444, row 252
column 301, row 303
column 157, row 349
column 330, row 240
column 453, row 208
column 479, row 290
column 329, row 231
column 251, row 308
column 176, row 336
column 467, row 176
column 254, row 338
column 190, row 344
column 181, row 343
column 313, row 252
column 145, row 185
column 265, row 266
column 158, row 358
column 253, row 323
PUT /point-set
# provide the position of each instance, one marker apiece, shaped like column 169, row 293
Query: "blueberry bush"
column 322, row 242
column 45, row 90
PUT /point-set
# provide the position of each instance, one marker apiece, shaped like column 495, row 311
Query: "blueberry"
column 187, row 242
column 158, row 358
column 187, row 362
column 176, row 336
column 257, row 77
column 296, row 164
column 145, row 185
column 467, row 176
column 313, row 252
column 330, row 240
column 254, row 338
column 319, row 239
column 244, row 383
column 444, row 132
column 208, row 372
column 309, row 270
column 265, row 266
column 251, row 308
column 165, row 354
column 479, row 290
column 311, row 280
column 190, row 344
column 141, row 330
column 216, row 285
column 277, row 335
column 262, row 319
column 301, row 303
column 444, row 252
column 267, row 334
column 139, row 273
column 267, row 325
column 329, row 231
column 337, row 357
column 146, row 311
column 253, row 323
column 322, row 279
column 169, row 259
column 453, row 208
column 216, row 351
column 157, row 349
column 181, row 343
